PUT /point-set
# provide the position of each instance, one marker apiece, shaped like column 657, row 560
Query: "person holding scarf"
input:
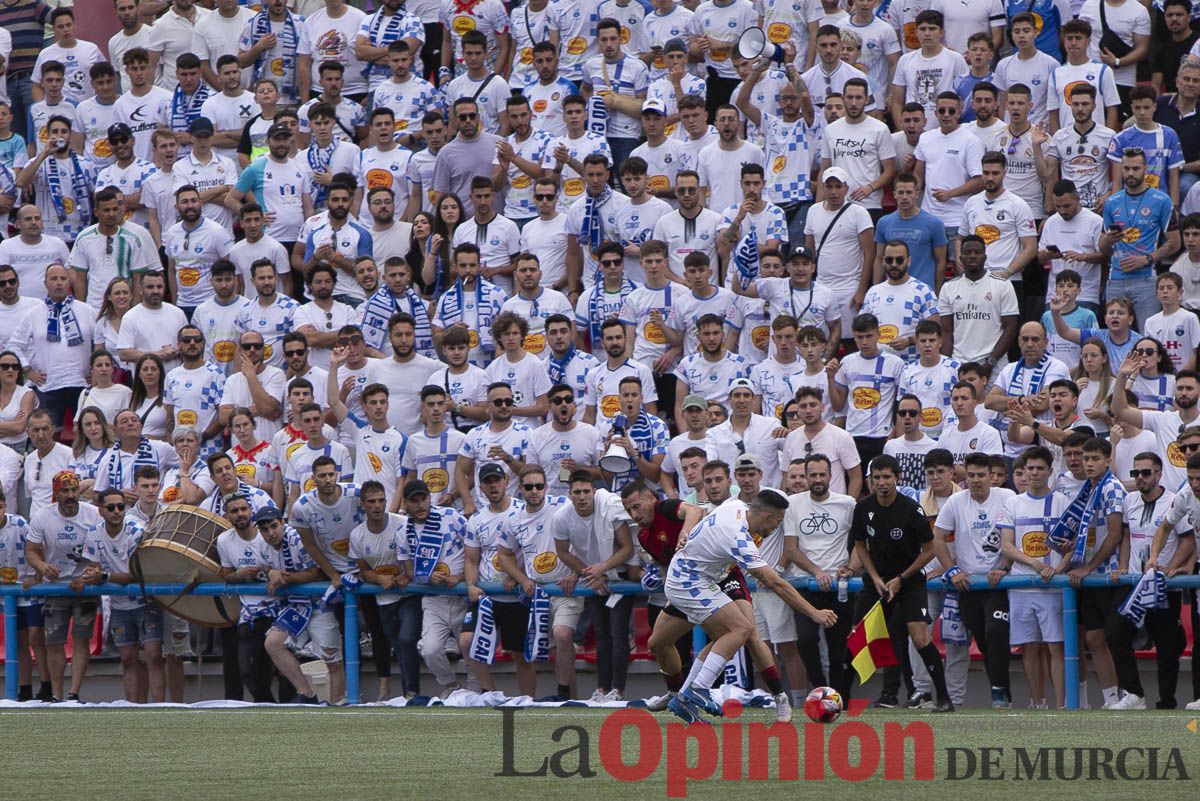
column 63, row 182
column 131, row 451
column 187, row 100
column 591, row 223
column 567, row 364
column 269, row 43
column 391, row 23
column 397, row 295
column 472, row 303
column 604, row 300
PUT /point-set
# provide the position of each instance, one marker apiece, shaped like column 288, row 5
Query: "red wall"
column 96, row 21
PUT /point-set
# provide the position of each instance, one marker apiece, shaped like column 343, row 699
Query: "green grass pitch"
column 440, row 753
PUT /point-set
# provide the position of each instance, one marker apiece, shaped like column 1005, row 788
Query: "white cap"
column 835, row 172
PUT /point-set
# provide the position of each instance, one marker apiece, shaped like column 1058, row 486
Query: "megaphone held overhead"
column 754, row 44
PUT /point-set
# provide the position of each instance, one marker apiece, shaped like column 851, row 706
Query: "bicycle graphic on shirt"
column 821, row 523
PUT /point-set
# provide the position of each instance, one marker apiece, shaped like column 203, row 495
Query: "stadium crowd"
column 383, row 288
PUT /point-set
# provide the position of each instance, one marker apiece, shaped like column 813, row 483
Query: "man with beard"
column 217, row 317
column 192, row 245
column 391, row 23
column 472, row 303
column 339, row 242
column 389, row 236
column 602, row 383
column 318, row 321
column 592, row 222
column 468, row 155
column 900, row 304
column 271, row 314
column 256, row 386
column 192, row 391
column 502, row 440
column 62, row 181
column 566, row 363
column 535, row 303
column 691, row 228
column 1166, row 426
column 747, row 433
column 404, row 374
column 519, row 160
column 283, row 191
column 1079, row 153
column 107, row 250
column 397, row 295
column 1003, row 219
column 978, row 311
column 643, row 436
column 564, row 446
column 406, row 96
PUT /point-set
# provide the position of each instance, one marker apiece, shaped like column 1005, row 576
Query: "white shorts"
column 565, row 610
column 776, row 620
column 326, row 636
column 697, row 603
column 1034, row 616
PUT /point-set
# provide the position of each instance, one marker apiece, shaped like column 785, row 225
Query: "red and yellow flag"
column 869, row 644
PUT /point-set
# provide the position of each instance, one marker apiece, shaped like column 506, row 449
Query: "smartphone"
column 1052, row 249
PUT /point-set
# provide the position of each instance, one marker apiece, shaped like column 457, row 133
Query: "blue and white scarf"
column 591, row 229
column 597, row 115
column 185, row 109
column 594, row 300
column 452, row 309
column 557, row 368
column 318, row 161
column 483, row 641
column 391, row 27
column 380, row 307
column 537, row 634
column 144, row 457
column 747, row 260
column 1073, row 526
column 429, row 545
column 735, row 674
column 260, row 26
column 1149, row 593
column 60, row 320
column 652, row 578
column 80, row 191
column 954, row 632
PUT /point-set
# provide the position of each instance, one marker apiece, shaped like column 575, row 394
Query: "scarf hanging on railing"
column 1149, row 593
column 954, row 632
column 537, row 634
column 60, row 320
column 483, row 641
column 429, row 545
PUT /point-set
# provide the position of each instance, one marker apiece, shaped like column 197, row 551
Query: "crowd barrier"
column 11, row 592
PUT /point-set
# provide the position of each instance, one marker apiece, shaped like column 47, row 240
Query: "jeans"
column 612, row 640
column 380, row 652
column 1140, row 291
column 621, row 149
column 58, row 401
column 797, row 216
column 20, row 95
column 401, row 624
column 1169, row 639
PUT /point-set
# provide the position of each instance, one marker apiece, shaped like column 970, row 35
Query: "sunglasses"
column 1140, row 473
column 466, row 116
column 534, row 487
column 1133, row 151
column 10, row 366
column 291, row 353
column 251, row 346
column 346, row 341
column 561, row 399
column 1146, row 351
column 1193, row 446
column 895, row 260
column 120, row 140
column 946, row 111
column 791, row 415
column 543, row 197
column 498, row 402
column 195, row 339
column 8, row 282
column 611, row 262
column 114, row 507
column 907, row 412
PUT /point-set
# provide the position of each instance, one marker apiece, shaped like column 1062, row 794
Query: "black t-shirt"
column 1166, row 55
column 894, row 534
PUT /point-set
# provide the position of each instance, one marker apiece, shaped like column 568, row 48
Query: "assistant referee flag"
column 869, row 645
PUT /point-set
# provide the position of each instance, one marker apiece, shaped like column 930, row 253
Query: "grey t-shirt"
column 460, row 161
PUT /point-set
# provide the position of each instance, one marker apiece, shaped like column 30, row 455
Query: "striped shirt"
column 24, row 20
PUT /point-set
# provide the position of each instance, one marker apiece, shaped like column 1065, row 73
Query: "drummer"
column 223, row 473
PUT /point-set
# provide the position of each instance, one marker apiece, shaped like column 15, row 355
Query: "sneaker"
column 942, row 706
column 449, row 689
column 701, row 698
column 54, row 699
column 25, row 694
column 886, row 702
column 683, row 709
column 614, row 697
column 1130, row 701
column 598, row 696
column 409, row 695
column 311, row 700
column 918, row 700
column 783, row 708
column 45, row 695
column 659, row 703
column 74, row 697
column 1194, row 706
column 1000, row 699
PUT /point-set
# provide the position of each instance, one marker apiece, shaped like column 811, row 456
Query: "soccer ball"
column 823, row 705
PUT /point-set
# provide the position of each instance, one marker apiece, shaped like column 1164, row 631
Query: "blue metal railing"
column 10, row 593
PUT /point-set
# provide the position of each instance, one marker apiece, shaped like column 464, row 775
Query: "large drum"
column 180, row 547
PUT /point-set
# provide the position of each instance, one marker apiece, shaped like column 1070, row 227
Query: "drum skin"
column 180, row 547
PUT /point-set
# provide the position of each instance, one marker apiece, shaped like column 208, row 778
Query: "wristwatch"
column 1036, row 425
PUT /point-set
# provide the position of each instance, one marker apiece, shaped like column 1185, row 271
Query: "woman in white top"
column 17, row 402
column 1094, row 378
column 103, row 394
column 146, row 398
column 252, row 456
column 190, row 482
column 1154, row 384
column 118, row 299
column 93, row 438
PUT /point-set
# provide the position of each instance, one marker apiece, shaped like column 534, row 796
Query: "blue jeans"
column 621, row 149
column 1140, row 291
column 402, row 626
column 797, row 216
column 20, row 95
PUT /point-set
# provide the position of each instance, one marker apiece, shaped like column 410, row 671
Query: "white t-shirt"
column 1179, row 334
column 976, row 539
column 861, row 149
column 964, row 19
column 839, row 242
column 950, row 161
column 981, row 438
column 1002, row 223
column 831, row 441
column 721, row 171
column 383, row 551
column 404, row 381
column 1126, row 20
column 923, row 79
column 327, row 39
column 977, row 308
column 547, row 239
column 821, row 529
column 1080, row 234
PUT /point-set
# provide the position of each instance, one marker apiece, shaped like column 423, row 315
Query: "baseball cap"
column 655, row 105
column 675, row 45
column 201, row 126
column 278, row 129
column 835, row 172
column 740, row 383
column 414, row 488
column 119, row 130
column 267, row 514
column 694, row 402
column 489, row 470
column 747, row 461
column 801, row 252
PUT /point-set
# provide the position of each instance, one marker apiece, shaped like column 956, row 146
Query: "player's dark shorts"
column 1096, row 606
column 512, row 621
column 912, row 600
column 733, row 585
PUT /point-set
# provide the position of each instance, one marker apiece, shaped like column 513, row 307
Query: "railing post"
column 1070, row 599
column 12, row 654
column 350, row 628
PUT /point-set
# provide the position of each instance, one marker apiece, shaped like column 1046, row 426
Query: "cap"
column 655, row 105
column 747, row 461
column 414, row 488
column 801, row 252
column 278, row 129
column 490, row 470
column 119, row 130
column 201, row 126
column 835, row 172
column 675, row 45
column 740, row 383
column 694, row 402
column 267, row 514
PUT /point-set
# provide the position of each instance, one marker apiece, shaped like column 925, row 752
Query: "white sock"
column 798, row 697
column 714, row 664
column 695, row 671
column 1111, row 695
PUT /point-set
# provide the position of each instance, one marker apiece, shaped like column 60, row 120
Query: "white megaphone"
column 754, row 44
column 615, row 460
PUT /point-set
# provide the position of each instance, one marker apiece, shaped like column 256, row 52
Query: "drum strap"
column 135, row 566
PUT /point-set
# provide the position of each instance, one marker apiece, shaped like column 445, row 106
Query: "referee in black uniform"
column 893, row 541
